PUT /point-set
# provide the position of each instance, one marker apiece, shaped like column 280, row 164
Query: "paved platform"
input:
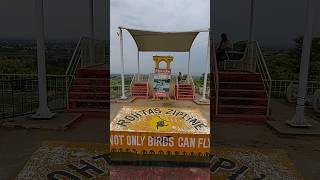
column 61, row 121
column 283, row 111
column 67, row 159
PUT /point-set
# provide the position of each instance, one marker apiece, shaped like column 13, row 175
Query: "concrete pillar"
column 123, row 95
column 43, row 111
column 92, row 36
column 299, row 118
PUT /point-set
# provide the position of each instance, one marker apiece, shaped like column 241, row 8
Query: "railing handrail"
column 177, row 83
column 132, row 81
column 263, row 61
column 73, row 57
column 216, row 78
column 264, row 71
column 192, row 84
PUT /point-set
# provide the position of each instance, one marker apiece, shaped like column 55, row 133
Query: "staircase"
column 140, row 90
column 242, row 97
column 184, row 92
column 89, row 91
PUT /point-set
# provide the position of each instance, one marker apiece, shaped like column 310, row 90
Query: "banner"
column 161, row 82
column 160, row 130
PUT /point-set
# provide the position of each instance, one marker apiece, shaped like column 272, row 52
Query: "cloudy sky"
column 64, row 19
column 277, row 22
column 159, row 15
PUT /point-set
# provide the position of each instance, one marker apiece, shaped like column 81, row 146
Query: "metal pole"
column 43, row 111
column 138, row 66
column 203, row 98
column 189, row 64
column 189, row 67
column 299, row 118
column 251, row 23
column 91, row 26
column 251, row 37
column 123, row 96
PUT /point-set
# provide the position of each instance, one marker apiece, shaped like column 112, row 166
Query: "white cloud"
column 161, row 15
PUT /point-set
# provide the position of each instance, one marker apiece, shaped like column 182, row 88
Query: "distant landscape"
column 19, row 57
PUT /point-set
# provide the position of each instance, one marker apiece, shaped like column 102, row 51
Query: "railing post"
column 203, row 98
column 123, row 96
column 43, row 111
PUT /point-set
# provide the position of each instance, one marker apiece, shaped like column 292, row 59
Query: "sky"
column 158, row 15
column 64, row 19
column 277, row 22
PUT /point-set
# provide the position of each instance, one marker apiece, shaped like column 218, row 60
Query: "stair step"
column 90, row 81
column 89, row 100
column 88, row 88
column 241, row 85
column 243, row 101
column 239, row 77
column 242, row 93
column 88, row 95
column 240, row 118
column 242, row 109
column 139, row 94
column 143, row 88
column 92, row 73
column 141, row 97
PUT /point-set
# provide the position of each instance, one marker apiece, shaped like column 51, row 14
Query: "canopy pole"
column 91, row 26
column 203, row 98
column 251, row 24
column 138, row 65
column 123, row 96
column 252, row 64
column 189, row 64
column 299, row 118
column 43, row 111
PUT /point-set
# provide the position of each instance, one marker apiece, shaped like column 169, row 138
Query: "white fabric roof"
column 163, row 41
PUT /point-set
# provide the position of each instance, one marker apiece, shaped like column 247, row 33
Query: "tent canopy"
column 163, row 41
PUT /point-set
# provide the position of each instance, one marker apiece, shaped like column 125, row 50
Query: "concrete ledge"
column 130, row 99
column 61, row 121
column 283, row 128
column 197, row 101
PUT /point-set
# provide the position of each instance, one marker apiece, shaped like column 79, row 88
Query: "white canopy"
column 163, row 41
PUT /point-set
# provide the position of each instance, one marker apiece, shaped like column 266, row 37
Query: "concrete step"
column 88, row 88
column 242, row 109
column 88, row 95
column 88, row 104
column 235, row 118
column 239, row 77
column 242, row 93
column 90, row 81
column 141, row 96
column 243, row 101
column 241, row 85
column 92, row 73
